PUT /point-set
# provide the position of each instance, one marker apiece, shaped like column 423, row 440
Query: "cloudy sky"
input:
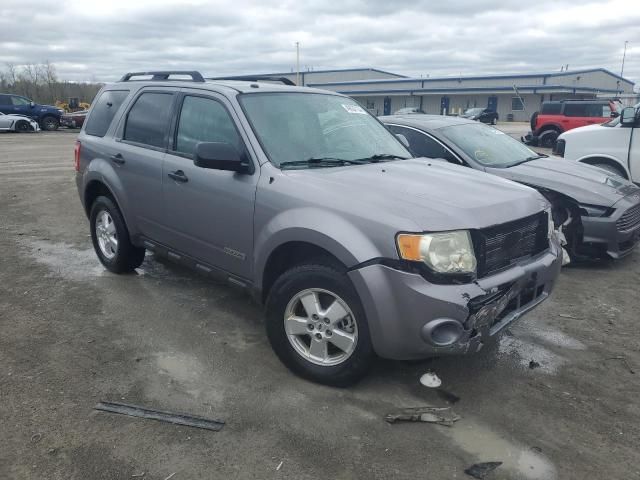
column 101, row 39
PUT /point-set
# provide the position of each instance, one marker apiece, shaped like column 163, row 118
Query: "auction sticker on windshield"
column 354, row 109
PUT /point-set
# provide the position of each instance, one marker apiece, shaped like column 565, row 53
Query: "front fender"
column 591, row 157
column 323, row 228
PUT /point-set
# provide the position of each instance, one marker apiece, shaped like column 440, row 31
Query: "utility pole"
column 624, row 54
column 297, row 63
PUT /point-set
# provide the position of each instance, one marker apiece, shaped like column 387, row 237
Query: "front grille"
column 502, row 245
column 629, row 219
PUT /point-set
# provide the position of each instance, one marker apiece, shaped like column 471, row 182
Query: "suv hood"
column 584, row 183
column 418, row 194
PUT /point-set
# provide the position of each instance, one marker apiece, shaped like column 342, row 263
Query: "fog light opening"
column 442, row 332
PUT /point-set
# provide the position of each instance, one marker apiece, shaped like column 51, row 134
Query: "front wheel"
column 110, row 238
column 494, row 121
column 23, row 127
column 317, row 326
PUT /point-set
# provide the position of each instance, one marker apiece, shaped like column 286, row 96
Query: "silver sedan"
column 17, row 123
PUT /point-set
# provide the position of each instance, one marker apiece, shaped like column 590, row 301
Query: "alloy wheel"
column 321, row 327
column 106, row 235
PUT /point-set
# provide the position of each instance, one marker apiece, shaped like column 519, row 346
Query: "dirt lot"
column 73, row 334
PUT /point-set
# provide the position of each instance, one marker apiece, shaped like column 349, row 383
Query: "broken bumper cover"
column 403, row 309
column 614, row 234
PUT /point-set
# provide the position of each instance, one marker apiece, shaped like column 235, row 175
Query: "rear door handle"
column 178, row 176
column 117, row 158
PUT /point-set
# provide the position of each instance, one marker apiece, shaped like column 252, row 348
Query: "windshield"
column 472, row 111
column 298, row 127
column 488, row 146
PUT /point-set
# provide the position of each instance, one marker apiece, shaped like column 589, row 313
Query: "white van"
column 614, row 146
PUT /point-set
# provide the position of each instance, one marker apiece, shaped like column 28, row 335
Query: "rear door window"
column 104, row 110
column 148, row 120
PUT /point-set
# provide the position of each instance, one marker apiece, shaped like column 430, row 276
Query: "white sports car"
column 17, row 123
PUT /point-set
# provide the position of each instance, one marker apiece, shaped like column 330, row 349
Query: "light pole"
column 624, row 54
column 298, row 63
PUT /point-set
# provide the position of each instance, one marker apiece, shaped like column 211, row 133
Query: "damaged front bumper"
column 615, row 235
column 411, row 318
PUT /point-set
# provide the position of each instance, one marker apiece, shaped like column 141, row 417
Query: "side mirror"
column 403, row 139
column 628, row 116
column 31, row 104
column 219, row 156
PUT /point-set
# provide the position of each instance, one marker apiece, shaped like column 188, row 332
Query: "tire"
column 107, row 225
column 50, row 123
column 494, row 121
column 548, row 138
column 610, row 168
column 298, row 346
column 23, row 127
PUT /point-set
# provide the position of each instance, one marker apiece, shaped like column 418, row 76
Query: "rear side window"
column 148, row 119
column 4, row 100
column 204, row 120
column 575, row 110
column 103, row 112
column 551, row 108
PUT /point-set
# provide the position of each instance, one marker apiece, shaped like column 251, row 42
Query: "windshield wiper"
column 379, row 157
column 528, row 159
column 314, row 162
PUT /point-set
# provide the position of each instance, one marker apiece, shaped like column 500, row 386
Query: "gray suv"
column 307, row 201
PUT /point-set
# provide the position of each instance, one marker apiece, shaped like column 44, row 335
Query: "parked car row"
column 20, row 114
column 355, row 247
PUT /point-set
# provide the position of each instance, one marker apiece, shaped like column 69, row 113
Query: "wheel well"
column 94, row 190
column 606, row 161
column 548, row 127
column 291, row 254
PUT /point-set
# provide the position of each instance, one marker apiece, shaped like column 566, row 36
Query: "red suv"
column 557, row 117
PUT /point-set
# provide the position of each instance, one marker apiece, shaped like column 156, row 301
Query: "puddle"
column 530, row 343
column 63, row 260
column 487, row 446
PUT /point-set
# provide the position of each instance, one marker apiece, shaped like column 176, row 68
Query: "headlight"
column 444, row 252
column 593, row 210
column 61, row 112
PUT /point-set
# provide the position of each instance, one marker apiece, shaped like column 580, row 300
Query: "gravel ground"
column 73, row 334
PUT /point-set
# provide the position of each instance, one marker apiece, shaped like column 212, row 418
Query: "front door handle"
column 178, row 176
column 117, row 158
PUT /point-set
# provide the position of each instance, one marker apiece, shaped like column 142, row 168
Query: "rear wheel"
column 548, row 138
column 317, row 326
column 50, row 123
column 110, row 238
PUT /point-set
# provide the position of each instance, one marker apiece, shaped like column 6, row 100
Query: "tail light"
column 76, row 155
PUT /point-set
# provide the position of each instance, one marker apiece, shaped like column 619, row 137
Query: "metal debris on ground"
column 430, row 380
column 447, row 396
column 170, row 476
column 533, row 364
column 163, row 416
column 439, row 415
column 566, row 315
column 481, row 470
column 138, row 475
column 36, row 437
column 279, row 466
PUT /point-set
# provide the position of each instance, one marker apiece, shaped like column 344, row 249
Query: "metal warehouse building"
column 514, row 97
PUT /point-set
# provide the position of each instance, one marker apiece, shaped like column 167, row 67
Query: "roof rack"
column 164, row 75
column 257, row 78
